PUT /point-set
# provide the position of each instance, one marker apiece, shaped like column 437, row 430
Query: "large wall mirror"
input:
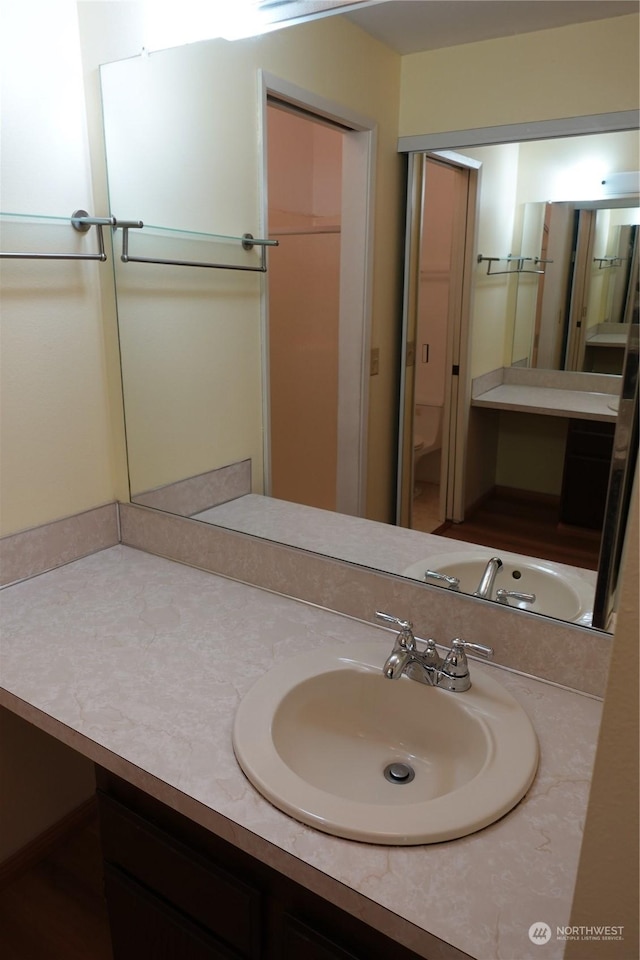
column 234, row 379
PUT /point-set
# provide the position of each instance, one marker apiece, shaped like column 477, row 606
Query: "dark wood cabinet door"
column 302, row 942
column 144, row 927
column 586, row 473
column 176, row 891
column 213, row 897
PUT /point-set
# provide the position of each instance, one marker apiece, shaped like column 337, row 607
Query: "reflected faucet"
column 485, row 587
column 503, row 596
column 452, row 582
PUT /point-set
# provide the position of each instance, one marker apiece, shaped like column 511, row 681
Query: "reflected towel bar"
column 247, row 241
column 513, row 258
column 80, row 221
column 608, row 262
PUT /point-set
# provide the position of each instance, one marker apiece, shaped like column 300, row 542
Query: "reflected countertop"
column 548, row 401
column 139, row 663
column 551, row 393
column 608, row 340
column 381, row 546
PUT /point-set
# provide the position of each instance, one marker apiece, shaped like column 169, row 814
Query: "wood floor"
column 527, row 526
column 55, row 910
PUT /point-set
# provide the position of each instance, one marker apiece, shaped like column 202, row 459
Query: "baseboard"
column 442, row 529
column 46, row 842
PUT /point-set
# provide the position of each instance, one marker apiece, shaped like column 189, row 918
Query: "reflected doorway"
column 304, row 164
column 318, row 165
column 439, row 273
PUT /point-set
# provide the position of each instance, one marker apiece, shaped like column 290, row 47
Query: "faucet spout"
column 396, row 664
column 488, row 578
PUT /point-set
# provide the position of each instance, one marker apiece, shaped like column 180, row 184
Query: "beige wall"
column 57, row 441
column 493, row 296
column 607, row 885
column 571, row 71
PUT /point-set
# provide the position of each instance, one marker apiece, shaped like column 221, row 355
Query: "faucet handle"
column 452, row 582
column 479, row 648
column 455, row 667
column 455, row 663
column 503, row 596
column 405, row 638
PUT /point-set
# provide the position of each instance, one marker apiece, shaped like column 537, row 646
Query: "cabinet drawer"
column 228, row 907
column 590, row 439
column 143, row 927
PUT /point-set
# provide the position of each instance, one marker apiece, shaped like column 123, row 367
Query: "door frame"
column 356, row 283
column 455, row 421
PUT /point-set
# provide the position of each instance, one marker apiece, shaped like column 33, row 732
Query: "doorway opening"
column 304, row 164
column 431, row 478
column 318, row 180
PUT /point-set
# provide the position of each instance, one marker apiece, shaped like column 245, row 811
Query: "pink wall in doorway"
column 304, row 180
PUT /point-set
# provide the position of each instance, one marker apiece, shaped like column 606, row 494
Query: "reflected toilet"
column 427, row 436
column 427, row 430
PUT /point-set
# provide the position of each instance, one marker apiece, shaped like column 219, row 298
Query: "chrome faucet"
column 453, row 583
column 488, row 578
column 503, row 596
column 427, row 666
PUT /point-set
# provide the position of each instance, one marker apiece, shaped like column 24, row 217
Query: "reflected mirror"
column 186, row 133
column 562, row 239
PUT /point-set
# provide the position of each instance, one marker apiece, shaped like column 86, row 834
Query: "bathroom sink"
column 316, row 734
column 558, row 592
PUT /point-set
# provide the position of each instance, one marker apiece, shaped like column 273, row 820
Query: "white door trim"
column 519, row 132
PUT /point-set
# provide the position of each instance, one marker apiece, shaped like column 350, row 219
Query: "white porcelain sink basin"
column 558, row 592
column 315, row 734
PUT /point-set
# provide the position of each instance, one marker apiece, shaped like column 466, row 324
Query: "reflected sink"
column 559, row 593
column 315, row 735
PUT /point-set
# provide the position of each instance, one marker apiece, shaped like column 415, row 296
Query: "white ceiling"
column 412, row 25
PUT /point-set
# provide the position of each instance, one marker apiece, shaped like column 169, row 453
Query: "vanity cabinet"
column 176, row 891
column 585, row 479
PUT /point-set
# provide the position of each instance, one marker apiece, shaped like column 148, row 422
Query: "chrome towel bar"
column 517, row 260
column 80, row 221
column 247, row 241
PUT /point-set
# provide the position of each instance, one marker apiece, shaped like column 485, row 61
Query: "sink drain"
column 399, row 773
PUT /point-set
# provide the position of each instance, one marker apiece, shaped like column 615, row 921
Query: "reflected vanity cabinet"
column 585, row 481
column 176, row 891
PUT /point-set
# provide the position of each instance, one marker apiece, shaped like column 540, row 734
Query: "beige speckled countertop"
column 139, row 663
column 549, row 401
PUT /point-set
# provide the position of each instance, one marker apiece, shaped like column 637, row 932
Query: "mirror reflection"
column 523, row 463
column 562, row 238
column 208, row 387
